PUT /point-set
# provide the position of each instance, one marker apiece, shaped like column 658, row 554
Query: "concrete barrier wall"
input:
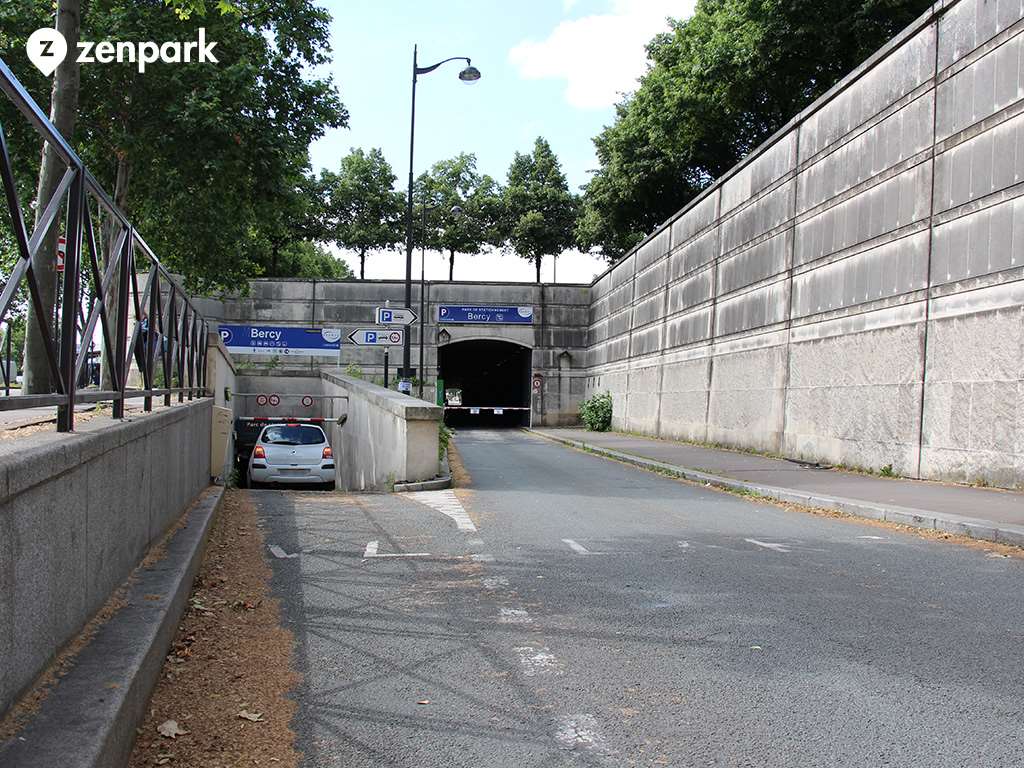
column 387, row 438
column 77, row 513
column 852, row 292
column 557, row 337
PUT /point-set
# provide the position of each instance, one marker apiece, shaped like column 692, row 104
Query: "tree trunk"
column 63, row 113
column 362, row 264
column 537, row 262
column 451, row 266
column 112, row 234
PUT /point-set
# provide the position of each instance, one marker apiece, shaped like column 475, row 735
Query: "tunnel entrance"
column 493, row 378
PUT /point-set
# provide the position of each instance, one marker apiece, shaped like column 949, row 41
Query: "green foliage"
column 444, row 438
column 311, row 261
column 539, row 208
column 887, row 471
column 596, row 412
column 185, row 8
column 211, row 162
column 364, row 212
column 456, row 183
column 718, row 85
column 354, row 371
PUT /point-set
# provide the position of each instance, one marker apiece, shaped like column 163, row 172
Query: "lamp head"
column 470, row 74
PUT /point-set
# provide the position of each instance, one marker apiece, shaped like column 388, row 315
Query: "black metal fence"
column 167, row 329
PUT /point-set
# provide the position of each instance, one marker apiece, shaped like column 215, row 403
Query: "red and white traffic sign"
column 538, row 382
column 261, row 400
column 274, row 400
column 62, row 251
column 307, row 400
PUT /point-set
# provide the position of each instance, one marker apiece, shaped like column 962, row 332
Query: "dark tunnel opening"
column 494, row 380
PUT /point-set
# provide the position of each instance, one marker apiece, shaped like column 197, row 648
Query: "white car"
column 292, row 452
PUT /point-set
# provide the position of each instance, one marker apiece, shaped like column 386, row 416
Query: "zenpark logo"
column 47, row 48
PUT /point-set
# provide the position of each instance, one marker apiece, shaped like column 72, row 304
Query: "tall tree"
column 463, row 208
column 63, row 115
column 718, row 85
column 364, row 212
column 539, row 208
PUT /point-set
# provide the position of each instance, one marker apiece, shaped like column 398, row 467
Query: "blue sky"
column 550, row 68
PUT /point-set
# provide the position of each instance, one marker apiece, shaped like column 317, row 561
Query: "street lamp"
column 469, row 74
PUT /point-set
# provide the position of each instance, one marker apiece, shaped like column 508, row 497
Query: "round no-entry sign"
column 538, row 381
column 395, row 337
column 261, row 400
column 274, row 400
column 307, row 400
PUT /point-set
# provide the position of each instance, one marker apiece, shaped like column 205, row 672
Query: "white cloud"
column 599, row 56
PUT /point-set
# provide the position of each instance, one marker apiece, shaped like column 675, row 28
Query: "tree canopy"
column 540, row 210
column 718, row 84
column 463, row 209
column 363, row 209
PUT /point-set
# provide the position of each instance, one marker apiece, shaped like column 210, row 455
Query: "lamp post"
column 469, row 74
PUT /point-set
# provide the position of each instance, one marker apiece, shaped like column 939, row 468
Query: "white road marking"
column 495, row 582
column 537, row 661
column 578, row 732
column 447, row 503
column 513, row 616
column 769, row 545
column 873, row 538
column 576, row 547
column 373, row 546
column 280, row 554
column 483, row 558
column 683, row 544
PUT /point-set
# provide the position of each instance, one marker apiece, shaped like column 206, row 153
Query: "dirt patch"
column 460, row 476
column 229, row 671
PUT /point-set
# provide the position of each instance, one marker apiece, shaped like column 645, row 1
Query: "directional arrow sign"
column 377, row 337
column 388, row 316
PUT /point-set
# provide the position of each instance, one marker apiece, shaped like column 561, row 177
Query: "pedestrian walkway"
column 984, row 513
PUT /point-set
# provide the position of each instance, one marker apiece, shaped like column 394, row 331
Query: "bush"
column 596, row 413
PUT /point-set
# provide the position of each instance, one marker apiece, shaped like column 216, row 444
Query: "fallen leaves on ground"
column 230, row 664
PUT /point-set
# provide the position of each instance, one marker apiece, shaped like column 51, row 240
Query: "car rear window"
column 286, row 434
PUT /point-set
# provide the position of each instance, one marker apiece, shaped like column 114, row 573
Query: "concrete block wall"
column 387, row 438
column 557, row 337
column 852, row 291
column 77, row 513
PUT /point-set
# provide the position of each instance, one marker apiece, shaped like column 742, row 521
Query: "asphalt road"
column 601, row 615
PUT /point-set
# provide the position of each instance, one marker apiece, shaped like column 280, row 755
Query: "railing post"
column 172, row 328
column 149, row 338
column 69, row 303
column 121, row 340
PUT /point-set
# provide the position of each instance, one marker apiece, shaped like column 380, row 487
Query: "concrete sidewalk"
column 982, row 513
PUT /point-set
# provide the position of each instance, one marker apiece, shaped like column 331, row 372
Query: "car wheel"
column 328, row 486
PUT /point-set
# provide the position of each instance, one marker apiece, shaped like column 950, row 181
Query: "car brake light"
column 258, row 452
column 328, row 453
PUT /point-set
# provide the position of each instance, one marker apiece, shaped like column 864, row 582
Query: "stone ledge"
column 404, row 406
column 89, row 718
column 35, row 459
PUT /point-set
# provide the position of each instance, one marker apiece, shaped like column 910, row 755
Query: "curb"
column 972, row 527
column 89, row 718
column 440, row 483
column 437, row 484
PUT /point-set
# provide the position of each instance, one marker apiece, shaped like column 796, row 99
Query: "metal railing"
column 164, row 315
